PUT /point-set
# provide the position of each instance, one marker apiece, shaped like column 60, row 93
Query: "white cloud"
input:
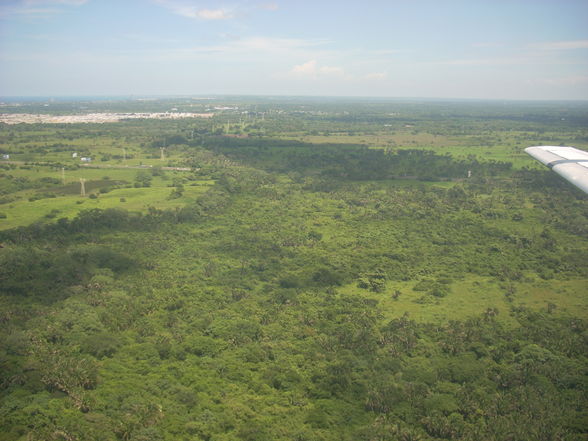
column 270, row 6
column 376, row 76
column 308, row 68
column 190, row 10
column 196, row 8
column 254, row 48
column 563, row 45
column 331, row 70
column 272, row 51
column 312, row 69
column 213, row 14
column 37, row 8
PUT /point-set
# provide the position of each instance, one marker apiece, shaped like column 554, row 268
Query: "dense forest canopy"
column 293, row 269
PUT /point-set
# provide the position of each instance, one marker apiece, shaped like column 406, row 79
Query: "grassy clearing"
column 473, row 295
column 24, row 212
column 568, row 295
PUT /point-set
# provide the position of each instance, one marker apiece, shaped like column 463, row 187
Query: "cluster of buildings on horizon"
column 28, row 118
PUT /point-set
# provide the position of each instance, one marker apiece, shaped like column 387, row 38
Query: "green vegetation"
column 309, row 281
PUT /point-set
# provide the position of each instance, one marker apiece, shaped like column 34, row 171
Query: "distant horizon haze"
column 229, row 97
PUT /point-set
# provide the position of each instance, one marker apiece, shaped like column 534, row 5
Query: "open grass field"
column 24, row 212
column 472, row 296
column 112, row 186
column 41, row 179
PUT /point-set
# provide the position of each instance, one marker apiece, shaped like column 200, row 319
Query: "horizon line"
column 221, row 95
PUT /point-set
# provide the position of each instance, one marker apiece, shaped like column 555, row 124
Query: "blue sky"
column 499, row 49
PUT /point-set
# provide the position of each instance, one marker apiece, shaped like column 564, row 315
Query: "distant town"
column 29, row 118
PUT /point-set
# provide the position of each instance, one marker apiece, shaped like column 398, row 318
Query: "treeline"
column 44, row 273
column 353, row 162
column 97, row 221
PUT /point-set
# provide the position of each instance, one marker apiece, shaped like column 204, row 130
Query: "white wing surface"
column 568, row 162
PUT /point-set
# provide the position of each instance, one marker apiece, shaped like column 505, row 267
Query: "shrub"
column 326, row 276
column 101, row 345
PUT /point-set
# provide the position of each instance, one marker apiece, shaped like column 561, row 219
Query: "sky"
column 493, row 49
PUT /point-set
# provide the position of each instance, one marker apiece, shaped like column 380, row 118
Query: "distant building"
column 85, row 159
column 5, row 156
column 74, row 155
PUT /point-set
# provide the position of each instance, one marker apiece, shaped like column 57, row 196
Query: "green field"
column 135, row 199
column 473, row 296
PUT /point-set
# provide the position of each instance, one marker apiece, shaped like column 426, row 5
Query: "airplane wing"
column 568, row 162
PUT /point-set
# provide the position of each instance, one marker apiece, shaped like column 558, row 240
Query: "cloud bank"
column 190, row 10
